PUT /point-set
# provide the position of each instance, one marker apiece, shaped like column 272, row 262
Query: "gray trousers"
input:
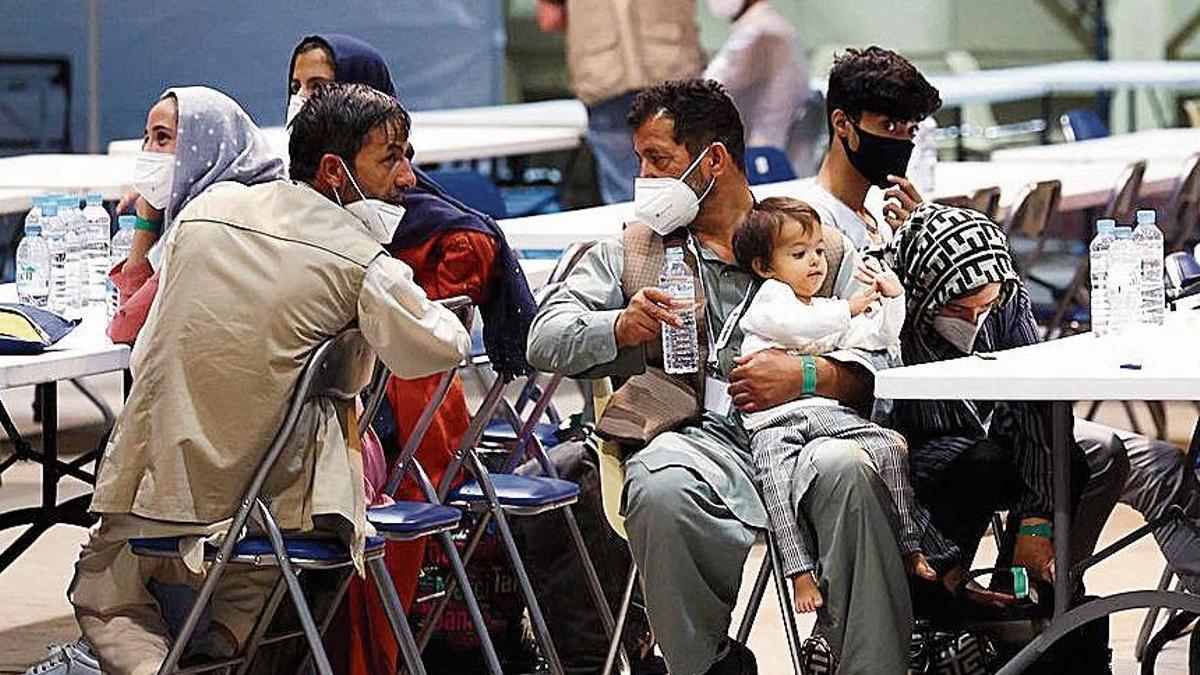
column 692, row 514
column 1147, row 475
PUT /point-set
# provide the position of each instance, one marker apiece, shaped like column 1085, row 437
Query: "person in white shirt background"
column 764, row 69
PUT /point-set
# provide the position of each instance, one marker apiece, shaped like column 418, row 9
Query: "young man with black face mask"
column 875, row 100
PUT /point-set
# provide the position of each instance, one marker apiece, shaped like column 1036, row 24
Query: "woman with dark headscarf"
column 452, row 250
column 195, row 138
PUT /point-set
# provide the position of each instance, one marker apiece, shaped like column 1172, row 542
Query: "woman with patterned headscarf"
column 195, row 138
column 970, row 458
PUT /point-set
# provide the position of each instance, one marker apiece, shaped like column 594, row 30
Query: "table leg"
column 50, row 472
column 1047, row 109
column 1062, row 422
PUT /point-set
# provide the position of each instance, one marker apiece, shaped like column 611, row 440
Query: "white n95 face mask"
column 381, row 218
column 295, row 103
column 725, row 9
column 667, row 204
column 958, row 332
column 153, row 174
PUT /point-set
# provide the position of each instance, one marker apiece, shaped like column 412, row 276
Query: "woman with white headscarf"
column 195, row 138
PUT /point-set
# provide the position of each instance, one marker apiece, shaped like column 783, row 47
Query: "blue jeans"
column 611, row 141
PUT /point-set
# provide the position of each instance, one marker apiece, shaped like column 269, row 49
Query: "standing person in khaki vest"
column 616, row 48
column 691, row 505
column 253, row 279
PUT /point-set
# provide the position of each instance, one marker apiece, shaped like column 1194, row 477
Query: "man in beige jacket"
column 616, row 48
column 253, row 280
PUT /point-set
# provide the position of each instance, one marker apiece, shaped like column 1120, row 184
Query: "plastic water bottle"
column 1148, row 240
column 922, row 165
column 95, row 250
column 122, row 244
column 33, row 261
column 1124, row 283
column 1098, row 253
column 54, row 231
column 681, row 352
column 73, row 240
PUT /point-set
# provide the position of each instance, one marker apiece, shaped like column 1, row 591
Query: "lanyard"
column 716, row 343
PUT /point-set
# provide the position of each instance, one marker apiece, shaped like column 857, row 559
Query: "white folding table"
column 85, row 351
column 1162, row 145
column 1080, row 367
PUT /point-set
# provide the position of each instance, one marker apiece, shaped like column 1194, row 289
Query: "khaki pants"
column 119, row 616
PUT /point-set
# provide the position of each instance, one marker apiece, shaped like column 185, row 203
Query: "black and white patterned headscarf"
column 941, row 253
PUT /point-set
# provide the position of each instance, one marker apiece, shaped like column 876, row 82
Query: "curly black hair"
column 336, row 120
column 881, row 81
column 702, row 111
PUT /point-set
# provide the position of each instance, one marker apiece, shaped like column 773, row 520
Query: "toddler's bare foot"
column 917, row 566
column 806, row 593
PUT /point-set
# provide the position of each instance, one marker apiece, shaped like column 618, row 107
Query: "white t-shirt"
column 834, row 211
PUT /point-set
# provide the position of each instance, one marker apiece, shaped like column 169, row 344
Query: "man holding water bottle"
column 691, row 506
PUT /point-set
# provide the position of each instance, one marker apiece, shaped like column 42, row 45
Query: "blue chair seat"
column 519, row 491
column 298, row 548
column 413, row 517
column 501, row 431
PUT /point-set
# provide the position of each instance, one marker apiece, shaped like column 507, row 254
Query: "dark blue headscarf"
column 429, row 211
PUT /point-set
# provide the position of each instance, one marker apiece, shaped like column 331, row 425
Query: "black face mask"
column 878, row 156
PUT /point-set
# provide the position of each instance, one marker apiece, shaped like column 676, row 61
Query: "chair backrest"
column 1180, row 269
column 986, row 201
column 1082, row 124
column 1035, row 206
column 473, row 189
column 1125, row 192
column 1192, row 108
column 1183, row 209
column 765, row 164
column 956, row 201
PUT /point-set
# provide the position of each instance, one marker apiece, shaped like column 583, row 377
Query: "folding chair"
column 498, row 496
column 1082, row 124
column 1029, row 219
column 765, row 164
column 407, row 520
column 1183, row 208
column 612, row 480
column 984, row 200
column 337, row 369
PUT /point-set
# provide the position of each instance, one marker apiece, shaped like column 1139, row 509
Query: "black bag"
column 557, row 574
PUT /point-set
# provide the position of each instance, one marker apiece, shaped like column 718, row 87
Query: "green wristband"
column 1041, row 530
column 808, row 385
column 144, row 225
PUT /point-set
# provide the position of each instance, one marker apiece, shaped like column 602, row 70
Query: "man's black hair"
column 336, row 120
column 881, row 81
column 702, row 111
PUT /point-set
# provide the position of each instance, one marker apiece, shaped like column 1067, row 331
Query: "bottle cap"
column 93, row 199
column 1123, row 232
column 126, row 222
column 1145, row 216
column 1105, row 225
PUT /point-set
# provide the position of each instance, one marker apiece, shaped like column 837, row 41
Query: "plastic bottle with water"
column 681, row 351
column 922, row 164
column 122, row 244
column 1124, row 283
column 1098, row 253
column 73, row 239
column 54, row 231
column 95, row 250
column 33, row 261
column 1148, row 240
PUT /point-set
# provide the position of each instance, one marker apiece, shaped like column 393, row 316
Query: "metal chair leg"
column 460, row 573
column 756, row 596
column 260, row 628
column 395, row 614
column 1151, row 620
column 614, row 645
column 593, row 580
column 785, row 605
column 303, row 613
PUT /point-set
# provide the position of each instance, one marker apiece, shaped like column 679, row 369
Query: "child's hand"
column 860, row 301
column 877, row 275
